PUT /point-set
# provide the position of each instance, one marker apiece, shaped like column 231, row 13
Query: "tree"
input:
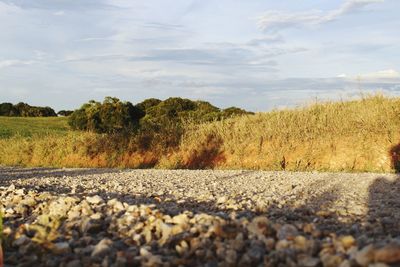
column 148, row 103
column 111, row 116
column 65, row 113
column 234, row 111
column 7, row 109
column 24, row 110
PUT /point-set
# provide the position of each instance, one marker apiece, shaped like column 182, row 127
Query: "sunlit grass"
column 331, row 136
column 28, row 126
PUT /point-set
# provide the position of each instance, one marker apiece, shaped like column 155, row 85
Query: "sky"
column 254, row 54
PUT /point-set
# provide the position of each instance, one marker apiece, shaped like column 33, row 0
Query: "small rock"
column 22, row 240
column 347, row 241
column 301, row 243
column 379, row 264
column 259, row 226
column 231, row 256
column 94, row 199
column 331, row 260
column 61, row 248
column 28, row 201
column 102, row 248
column 388, row 254
column 307, row 261
column 288, row 232
column 181, row 219
column 221, row 200
column 11, row 188
column 365, row 256
column 74, row 263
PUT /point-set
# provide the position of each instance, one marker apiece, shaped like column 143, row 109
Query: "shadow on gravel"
column 9, row 174
column 241, row 174
column 379, row 222
column 384, row 206
column 382, row 217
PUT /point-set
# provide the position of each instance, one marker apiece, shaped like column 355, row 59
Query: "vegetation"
column 111, row 116
column 151, row 115
column 360, row 135
column 1, row 238
column 32, row 127
column 64, row 113
column 25, row 110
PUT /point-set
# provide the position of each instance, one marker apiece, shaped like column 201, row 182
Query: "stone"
column 181, row 219
column 331, row 260
column 11, row 188
column 301, row 243
column 347, row 241
column 308, row 261
column 94, row 199
column 388, row 254
column 61, row 248
column 102, row 248
column 221, row 200
column 74, row 263
column 287, row 231
column 28, row 201
column 378, row 264
column 22, row 240
column 259, row 226
column 231, row 256
column 365, row 255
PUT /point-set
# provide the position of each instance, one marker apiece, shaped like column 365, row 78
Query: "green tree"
column 65, row 113
column 111, row 116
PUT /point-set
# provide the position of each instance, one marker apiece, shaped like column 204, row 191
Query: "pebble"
column 265, row 219
column 102, row 248
column 287, row 231
column 61, row 248
column 94, row 199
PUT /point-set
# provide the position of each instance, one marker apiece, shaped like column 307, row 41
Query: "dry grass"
column 332, row 136
column 360, row 135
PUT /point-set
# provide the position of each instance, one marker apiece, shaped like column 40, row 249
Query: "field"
column 361, row 135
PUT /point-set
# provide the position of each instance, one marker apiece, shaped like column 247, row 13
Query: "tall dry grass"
column 75, row 149
column 331, row 136
column 361, row 135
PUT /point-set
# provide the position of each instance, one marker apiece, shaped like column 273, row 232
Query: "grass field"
column 360, row 135
column 28, row 127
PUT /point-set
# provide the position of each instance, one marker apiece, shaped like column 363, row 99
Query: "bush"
column 24, row 110
column 111, row 116
column 234, row 111
column 65, row 113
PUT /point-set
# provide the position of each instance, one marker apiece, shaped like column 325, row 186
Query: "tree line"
column 151, row 115
column 115, row 116
column 24, row 110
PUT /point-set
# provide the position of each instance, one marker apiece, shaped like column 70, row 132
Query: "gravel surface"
column 107, row 217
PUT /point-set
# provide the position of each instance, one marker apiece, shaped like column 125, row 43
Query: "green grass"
column 29, row 127
column 361, row 135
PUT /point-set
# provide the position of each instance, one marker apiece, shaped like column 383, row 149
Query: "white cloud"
column 14, row 62
column 383, row 74
column 59, row 13
column 266, row 40
column 273, row 20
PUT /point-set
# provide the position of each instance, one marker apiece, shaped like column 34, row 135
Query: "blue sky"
column 253, row 54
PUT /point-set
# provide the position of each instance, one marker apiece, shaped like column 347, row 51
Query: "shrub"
column 111, row 116
column 24, row 110
column 65, row 113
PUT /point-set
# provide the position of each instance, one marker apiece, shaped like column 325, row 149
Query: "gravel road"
column 108, row 217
